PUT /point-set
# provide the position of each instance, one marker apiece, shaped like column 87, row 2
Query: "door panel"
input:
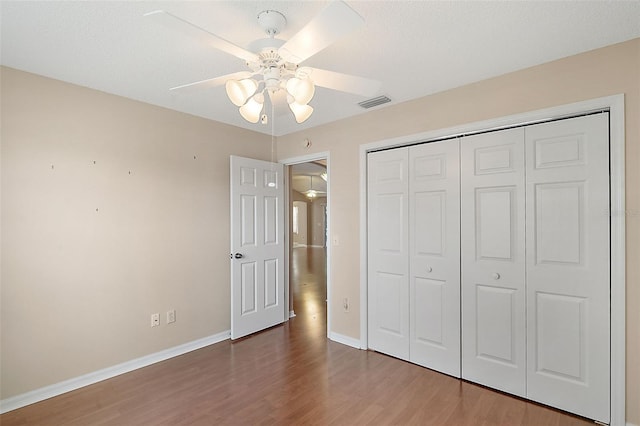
column 495, row 211
column 249, row 288
column 434, row 241
column 495, row 331
column 493, row 260
column 428, row 231
column 388, row 264
column 257, row 236
column 559, row 223
column 429, row 319
column 568, row 288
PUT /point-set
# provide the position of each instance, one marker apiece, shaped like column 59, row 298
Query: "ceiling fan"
column 274, row 64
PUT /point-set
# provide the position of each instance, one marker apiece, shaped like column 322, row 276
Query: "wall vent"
column 370, row 103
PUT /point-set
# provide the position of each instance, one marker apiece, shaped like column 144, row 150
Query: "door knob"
column 496, row 276
column 429, row 269
column 238, row 256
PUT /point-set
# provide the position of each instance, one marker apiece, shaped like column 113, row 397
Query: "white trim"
column 56, row 389
column 324, row 155
column 364, row 249
column 615, row 105
column 287, row 241
column 618, row 260
column 345, row 340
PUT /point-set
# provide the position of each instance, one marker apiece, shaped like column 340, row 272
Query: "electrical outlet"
column 345, row 304
column 155, row 320
column 171, row 316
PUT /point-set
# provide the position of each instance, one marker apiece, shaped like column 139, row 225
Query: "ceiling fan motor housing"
column 272, row 78
column 271, row 21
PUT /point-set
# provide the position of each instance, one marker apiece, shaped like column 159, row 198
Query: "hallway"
column 309, row 289
column 289, row 374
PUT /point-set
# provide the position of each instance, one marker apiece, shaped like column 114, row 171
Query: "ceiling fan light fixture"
column 274, row 63
column 300, row 112
column 252, row 109
column 239, row 91
column 302, row 89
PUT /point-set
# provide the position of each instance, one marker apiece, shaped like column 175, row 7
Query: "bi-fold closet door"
column 414, row 254
column 533, row 225
column 493, row 260
column 536, row 263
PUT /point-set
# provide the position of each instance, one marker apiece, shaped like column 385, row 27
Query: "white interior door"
column 257, row 245
column 493, row 260
column 388, row 263
column 568, row 288
column 434, row 239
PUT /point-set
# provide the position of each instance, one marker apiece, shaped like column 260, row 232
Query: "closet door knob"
column 429, row 269
column 496, row 276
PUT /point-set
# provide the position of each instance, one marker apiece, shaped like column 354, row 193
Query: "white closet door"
column 434, row 240
column 388, row 241
column 568, row 289
column 493, row 260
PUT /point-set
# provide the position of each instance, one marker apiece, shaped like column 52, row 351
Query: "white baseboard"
column 345, row 340
column 292, row 314
column 56, row 389
column 631, row 424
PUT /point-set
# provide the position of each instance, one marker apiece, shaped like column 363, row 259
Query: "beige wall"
column 316, row 221
column 603, row 72
column 89, row 251
column 301, row 237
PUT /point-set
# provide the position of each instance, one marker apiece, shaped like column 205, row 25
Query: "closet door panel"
column 568, row 288
column 434, row 241
column 493, row 260
column 388, row 241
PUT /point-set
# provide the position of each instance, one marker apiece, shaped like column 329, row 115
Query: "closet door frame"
column 615, row 105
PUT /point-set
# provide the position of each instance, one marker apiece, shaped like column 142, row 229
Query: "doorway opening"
column 308, row 200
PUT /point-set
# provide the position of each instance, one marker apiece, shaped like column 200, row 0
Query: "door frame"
column 615, row 105
column 288, row 237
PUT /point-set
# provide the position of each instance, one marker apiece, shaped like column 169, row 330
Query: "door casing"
column 297, row 160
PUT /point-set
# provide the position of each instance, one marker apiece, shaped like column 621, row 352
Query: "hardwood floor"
column 289, row 374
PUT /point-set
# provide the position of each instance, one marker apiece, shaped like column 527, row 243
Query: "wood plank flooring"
column 289, row 374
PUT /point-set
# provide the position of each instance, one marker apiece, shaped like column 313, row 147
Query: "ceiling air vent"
column 370, row 103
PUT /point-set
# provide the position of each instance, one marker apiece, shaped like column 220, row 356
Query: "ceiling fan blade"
column 334, row 22
column 344, row 82
column 213, row 82
column 178, row 24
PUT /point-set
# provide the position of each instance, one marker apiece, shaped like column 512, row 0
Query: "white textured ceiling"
column 414, row 48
